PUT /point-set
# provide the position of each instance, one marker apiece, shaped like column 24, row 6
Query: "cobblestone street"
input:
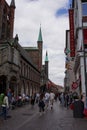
column 59, row 118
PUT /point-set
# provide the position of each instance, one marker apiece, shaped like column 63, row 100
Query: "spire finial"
column 46, row 58
column 40, row 35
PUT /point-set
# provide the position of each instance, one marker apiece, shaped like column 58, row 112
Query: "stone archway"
column 3, row 87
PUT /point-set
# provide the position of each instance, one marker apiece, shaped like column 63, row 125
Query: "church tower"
column 46, row 65
column 40, row 47
column 6, row 19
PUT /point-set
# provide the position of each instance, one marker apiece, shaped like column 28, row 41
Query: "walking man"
column 52, row 96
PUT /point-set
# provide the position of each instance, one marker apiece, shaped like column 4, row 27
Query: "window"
column 84, row 9
column 85, row 35
column 84, row 24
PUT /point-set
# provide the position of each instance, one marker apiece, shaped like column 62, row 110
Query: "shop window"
column 84, row 9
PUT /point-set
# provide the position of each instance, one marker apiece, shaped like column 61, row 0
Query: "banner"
column 71, row 23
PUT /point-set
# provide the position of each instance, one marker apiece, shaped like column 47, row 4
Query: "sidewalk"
column 60, row 118
column 18, row 115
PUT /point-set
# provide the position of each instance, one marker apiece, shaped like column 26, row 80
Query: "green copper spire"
column 40, row 36
column 46, row 58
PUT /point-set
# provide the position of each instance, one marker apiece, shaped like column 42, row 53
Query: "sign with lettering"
column 71, row 23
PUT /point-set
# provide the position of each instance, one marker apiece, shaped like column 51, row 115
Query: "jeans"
column 4, row 112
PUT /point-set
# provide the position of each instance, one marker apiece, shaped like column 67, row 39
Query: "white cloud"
column 29, row 16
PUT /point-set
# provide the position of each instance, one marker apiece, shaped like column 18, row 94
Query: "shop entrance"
column 3, row 79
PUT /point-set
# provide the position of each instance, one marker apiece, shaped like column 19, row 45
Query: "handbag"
column 71, row 106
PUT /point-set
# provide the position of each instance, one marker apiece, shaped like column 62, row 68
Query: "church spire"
column 46, row 58
column 12, row 3
column 40, row 36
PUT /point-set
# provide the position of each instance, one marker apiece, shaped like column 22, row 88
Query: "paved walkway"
column 19, row 114
column 59, row 118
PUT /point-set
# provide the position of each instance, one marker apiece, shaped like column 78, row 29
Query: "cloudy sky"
column 53, row 17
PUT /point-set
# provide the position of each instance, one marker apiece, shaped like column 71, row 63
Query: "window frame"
column 84, row 3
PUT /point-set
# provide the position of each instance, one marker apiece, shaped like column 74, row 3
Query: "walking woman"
column 5, row 106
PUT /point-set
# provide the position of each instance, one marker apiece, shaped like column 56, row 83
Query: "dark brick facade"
column 20, row 67
column 6, row 20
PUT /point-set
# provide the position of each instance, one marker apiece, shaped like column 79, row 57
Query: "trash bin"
column 78, row 108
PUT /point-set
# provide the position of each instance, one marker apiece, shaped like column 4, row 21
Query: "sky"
column 52, row 15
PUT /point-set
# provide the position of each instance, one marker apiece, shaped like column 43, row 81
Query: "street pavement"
column 29, row 118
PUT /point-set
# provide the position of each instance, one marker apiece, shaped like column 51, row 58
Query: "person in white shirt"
column 47, row 97
column 52, row 96
column 5, row 106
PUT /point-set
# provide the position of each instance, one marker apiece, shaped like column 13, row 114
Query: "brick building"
column 20, row 67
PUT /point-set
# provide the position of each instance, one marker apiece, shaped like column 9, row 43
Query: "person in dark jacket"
column 78, row 108
column 41, row 103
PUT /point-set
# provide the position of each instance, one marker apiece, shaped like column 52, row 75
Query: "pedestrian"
column 5, row 106
column 47, row 97
column 1, row 98
column 32, row 100
column 52, row 96
column 41, row 103
column 62, row 98
column 1, row 101
column 37, row 97
column 9, row 94
column 67, row 100
column 78, row 107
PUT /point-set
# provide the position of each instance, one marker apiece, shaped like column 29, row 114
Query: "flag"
column 67, row 59
column 66, row 51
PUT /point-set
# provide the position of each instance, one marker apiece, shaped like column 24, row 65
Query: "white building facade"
column 78, row 44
